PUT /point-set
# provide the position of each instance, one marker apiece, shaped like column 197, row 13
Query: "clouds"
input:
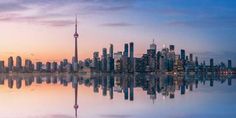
column 117, row 24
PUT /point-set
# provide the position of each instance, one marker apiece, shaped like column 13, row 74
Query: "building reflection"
column 166, row 86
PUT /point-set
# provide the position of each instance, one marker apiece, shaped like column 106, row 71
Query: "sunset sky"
column 42, row 30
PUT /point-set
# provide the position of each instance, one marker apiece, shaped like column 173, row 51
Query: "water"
column 116, row 96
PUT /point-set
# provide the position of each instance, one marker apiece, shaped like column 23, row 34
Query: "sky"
column 42, row 30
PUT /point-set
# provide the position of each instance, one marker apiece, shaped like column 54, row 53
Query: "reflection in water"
column 166, row 85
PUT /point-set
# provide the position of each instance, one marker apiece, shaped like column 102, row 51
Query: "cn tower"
column 76, row 35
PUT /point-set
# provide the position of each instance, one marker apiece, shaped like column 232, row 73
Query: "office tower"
column 182, row 54
column 131, row 64
column 118, row 61
column 111, row 51
column 153, row 46
column 196, row 61
column 39, row 66
column 96, row 61
column 69, row 68
column 18, row 63
column 28, row 66
column 131, row 44
column 126, row 50
column 2, row 66
column 139, row 65
column 191, row 57
column 10, row 64
column 172, row 48
column 110, row 60
column 76, row 35
column 48, row 67
column 212, row 65
column 229, row 64
column 104, row 59
column 54, row 66
column 151, row 59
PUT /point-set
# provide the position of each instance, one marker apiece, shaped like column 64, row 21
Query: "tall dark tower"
column 75, row 85
column 76, row 35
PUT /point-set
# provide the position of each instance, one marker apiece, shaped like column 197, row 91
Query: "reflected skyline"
column 109, row 85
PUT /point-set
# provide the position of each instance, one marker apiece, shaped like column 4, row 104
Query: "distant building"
column 211, row 65
column 126, row 50
column 39, row 66
column 104, row 59
column 29, row 67
column 229, row 64
column 131, row 58
column 48, row 67
column 172, row 48
column 10, row 64
column 95, row 64
column 118, row 62
column 54, row 66
column 2, row 66
column 18, row 63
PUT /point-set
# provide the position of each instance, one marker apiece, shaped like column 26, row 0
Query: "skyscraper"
column 153, row 46
column 191, row 57
column 96, row 61
column 229, row 64
column 110, row 59
column 76, row 35
column 104, row 59
column 182, row 54
column 18, row 63
column 10, row 64
column 131, row 47
column 126, row 50
column 2, row 66
column 131, row 60
column 172, row 48
column 111, row 51
column 212, row 65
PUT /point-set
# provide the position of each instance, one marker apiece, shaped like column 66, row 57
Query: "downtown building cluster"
column 153, row 61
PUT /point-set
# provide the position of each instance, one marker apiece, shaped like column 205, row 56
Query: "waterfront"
column 116, row 96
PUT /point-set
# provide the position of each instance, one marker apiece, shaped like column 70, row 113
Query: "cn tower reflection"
column 75, row 86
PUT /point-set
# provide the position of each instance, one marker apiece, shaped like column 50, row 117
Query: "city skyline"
column 169, row 22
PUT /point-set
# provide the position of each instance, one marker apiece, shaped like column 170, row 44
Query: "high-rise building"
column 229, row 64
column 54, row 66
column 95, row 64
column 110, row 60
column 191, row 57
column 118, row 61
column 10, row 64
column 172, row 48
column 111, row 51
column 104, row 59
column 182, row 54
column 126, row 49
column 2, row 66
column 196, row 61
column 153, row 46
column 131, row 59
column 28, row 66
column 48, row 67
column 212, row 64
column 39, row 66
column 18, row 63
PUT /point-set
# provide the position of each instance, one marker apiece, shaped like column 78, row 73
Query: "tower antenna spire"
column 76, row 35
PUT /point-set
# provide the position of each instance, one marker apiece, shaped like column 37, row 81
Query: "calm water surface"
column 116, row 96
